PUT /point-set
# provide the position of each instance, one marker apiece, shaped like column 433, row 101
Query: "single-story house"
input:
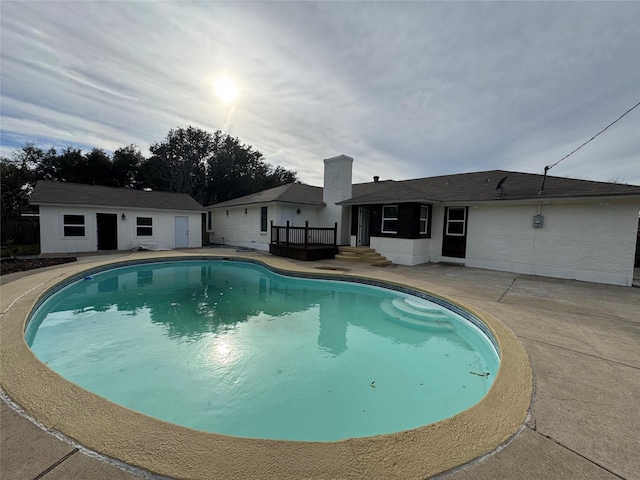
column 499, row 220
column 88, row 218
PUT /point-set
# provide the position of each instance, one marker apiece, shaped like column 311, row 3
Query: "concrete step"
column 371, row 257
column 348, row 258
column 362, row 254
column 357, row 250
column 348, row 254
column 382, row 263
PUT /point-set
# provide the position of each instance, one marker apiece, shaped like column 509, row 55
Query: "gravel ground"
column 12, row 265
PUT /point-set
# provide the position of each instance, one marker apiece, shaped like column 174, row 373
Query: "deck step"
column 362, row 254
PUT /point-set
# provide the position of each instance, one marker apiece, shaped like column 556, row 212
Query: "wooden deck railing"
column 303, row 236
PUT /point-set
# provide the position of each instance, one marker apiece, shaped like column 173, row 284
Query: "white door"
column 182, row 232
column 286, row 214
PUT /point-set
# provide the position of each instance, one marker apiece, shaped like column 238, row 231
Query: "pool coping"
column 179, row 452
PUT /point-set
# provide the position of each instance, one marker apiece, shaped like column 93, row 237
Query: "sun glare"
column 227, row 89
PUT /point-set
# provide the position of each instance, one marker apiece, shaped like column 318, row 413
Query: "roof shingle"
column 482, row 186
column 297, row 193
column 63, row 193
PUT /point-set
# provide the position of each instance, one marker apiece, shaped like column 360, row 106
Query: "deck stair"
column 362, row 254
column 416, row 314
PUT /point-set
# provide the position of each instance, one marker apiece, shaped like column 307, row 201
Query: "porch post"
column 335, row 234
column 272, row 232
column 287, row 233
column 306, row 234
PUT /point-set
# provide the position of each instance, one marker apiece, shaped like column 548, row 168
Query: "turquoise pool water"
column 234, row 348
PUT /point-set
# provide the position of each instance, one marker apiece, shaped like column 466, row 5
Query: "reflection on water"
column 193, row 300
column 235, row 347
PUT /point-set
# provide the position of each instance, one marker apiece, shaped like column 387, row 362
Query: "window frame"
column 66, row 223
column 389, row 219
column 144, row 227
column 424, row 219
column 264, row 215
column 463, row 222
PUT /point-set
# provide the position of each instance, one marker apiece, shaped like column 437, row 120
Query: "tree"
column 178, row 162
column 15, row 188
column 17, row 179
column 126, row 166
column 96, row 168
column 235, row 170
column 16, row 182
column 211, row 168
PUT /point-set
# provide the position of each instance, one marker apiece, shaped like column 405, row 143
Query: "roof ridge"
column 61, row 182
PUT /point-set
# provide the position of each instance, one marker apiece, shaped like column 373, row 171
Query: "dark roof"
column 63, row 193
column 297, row 193
column 482, row 186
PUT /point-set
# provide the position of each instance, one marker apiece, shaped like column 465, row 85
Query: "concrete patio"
column 583, row 341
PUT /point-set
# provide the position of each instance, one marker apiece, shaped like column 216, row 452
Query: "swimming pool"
column 233, row 347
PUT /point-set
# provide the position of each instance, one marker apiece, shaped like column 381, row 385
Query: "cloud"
column 409, row 89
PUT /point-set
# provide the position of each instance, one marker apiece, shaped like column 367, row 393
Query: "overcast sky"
column 408, row 89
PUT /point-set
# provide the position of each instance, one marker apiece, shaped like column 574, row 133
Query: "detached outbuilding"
column 87, row 218
column 499, row 220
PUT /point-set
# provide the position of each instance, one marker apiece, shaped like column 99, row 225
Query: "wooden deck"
column 303, row 243
column 301, row 252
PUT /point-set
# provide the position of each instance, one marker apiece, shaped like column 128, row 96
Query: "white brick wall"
column 582, row 241
column 240, row 229
column 243, row 230
column 586, row 241
column 403, row 251
column 52, row 239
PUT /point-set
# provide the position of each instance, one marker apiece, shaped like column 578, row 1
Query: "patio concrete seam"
column 504, row 294
column 27, row 292
column 573, row 312
column 77, row 447
column 548, row 437
column 578, row 351
column 55, row 464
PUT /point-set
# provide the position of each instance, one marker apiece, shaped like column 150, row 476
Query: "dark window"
column 209, row 217
column 390, row 219
column 144, row 226
column 456, row 217
column 263, row 219
column 73, row 225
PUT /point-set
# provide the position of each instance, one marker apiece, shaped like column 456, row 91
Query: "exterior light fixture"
column 298, row 211
column 124, row 217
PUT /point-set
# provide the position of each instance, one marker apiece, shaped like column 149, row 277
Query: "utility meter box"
column 538, row 221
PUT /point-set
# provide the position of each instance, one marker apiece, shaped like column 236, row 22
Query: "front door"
column 107, row 231
column 363, row 239
column 454, row 241
column 182, row 232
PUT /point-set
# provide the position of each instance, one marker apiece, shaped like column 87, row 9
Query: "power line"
column 549, row 167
